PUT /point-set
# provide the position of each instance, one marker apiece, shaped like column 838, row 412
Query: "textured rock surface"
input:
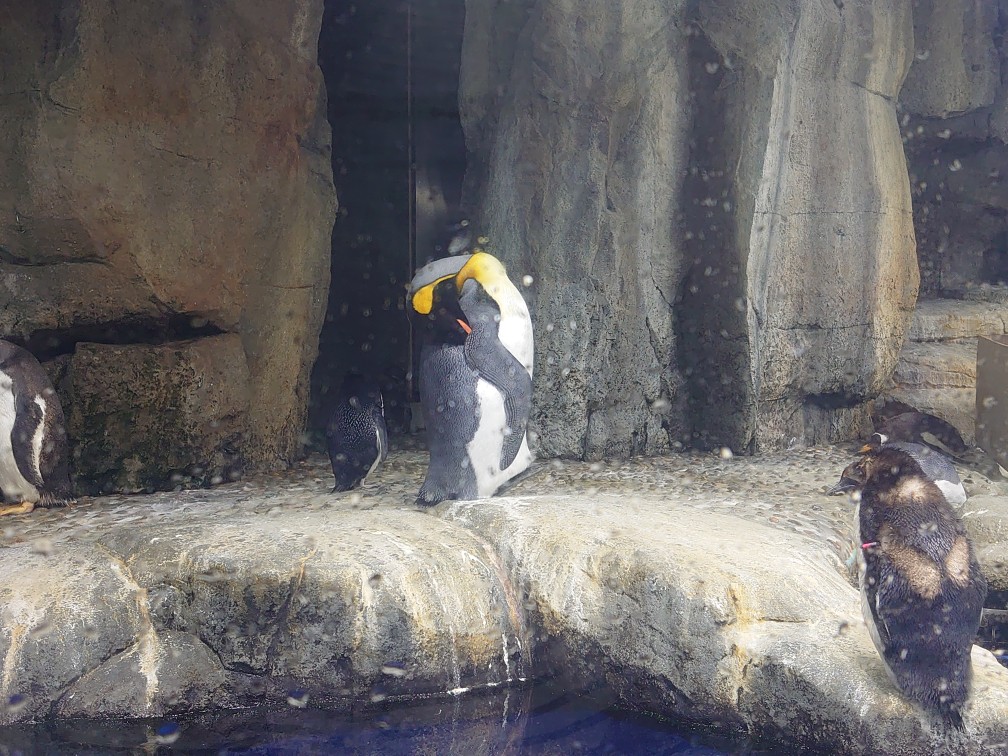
column 956, row 320
column 140, row 412
column 576, row 115
column 820, row 228
column 166, row 176
column 955, row 114
column 936, row 372
column 957, row 66
column 777, row 307
column 707, row 588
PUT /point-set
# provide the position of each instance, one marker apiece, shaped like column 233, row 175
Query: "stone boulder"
column 696, row 587
column 167, row 177
column 716, row 217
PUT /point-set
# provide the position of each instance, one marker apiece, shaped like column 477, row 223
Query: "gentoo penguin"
column 935, row 465
column 922, row 428
column 921, row 587
column 475, row 375
column 356, row 433
column 34, row 453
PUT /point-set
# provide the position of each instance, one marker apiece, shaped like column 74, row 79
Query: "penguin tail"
column 954, row 719
column 52, row 499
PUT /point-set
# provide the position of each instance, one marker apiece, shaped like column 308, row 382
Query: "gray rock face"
column 724, row 327
column 575, row 114
column 698, row 587
column 141, row 413
column 957, row 67
column 167, row 177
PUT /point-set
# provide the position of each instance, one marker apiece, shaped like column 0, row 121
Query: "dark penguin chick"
column 934, row 464
column 922, row 591
column 922, row 428
column 34, row 452
column 356, row 434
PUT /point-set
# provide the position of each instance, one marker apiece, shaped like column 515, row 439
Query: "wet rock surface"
column 705, row 587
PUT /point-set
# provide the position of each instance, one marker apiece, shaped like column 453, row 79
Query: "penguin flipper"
column 28, row 417
column 488, row 357
column 381, row 434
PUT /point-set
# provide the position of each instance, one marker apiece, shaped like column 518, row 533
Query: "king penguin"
column 933, row 463
column 475, row 376
column 356, row 434
column 34, row 452
column 922, row 591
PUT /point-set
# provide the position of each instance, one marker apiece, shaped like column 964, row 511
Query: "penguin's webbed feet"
column 428, row 499
column 12, row 509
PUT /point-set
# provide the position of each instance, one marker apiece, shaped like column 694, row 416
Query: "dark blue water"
column 543, row 719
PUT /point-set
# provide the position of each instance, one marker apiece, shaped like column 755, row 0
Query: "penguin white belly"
column 484, row 450
column 13, row 484
column 955, row 493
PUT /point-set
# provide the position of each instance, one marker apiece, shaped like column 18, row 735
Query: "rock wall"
column 574, row 114
column 955, row 129
column 167, row 178
column 716, row 216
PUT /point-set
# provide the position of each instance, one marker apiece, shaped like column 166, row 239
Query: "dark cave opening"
column 391, row 73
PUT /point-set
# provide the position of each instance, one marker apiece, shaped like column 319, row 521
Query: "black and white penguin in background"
column 356, row 433
column 933, row 463
column 34, row 452
column 475, row 375
column 922, row 591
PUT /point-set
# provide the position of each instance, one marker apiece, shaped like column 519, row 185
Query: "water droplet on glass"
column 298, row 699
column 955, row 165
column 42, row 546
column 712, row 67
column 167, row 733
column 527, row 281
column 393, row 670
column 725, row 453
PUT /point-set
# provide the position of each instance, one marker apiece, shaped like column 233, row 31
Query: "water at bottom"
column 537, row 720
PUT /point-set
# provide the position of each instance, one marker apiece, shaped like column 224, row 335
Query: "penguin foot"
column 427, row 499
column 23, row 508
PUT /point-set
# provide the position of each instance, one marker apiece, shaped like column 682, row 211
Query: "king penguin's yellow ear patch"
column 482, row 267
column 423, row 298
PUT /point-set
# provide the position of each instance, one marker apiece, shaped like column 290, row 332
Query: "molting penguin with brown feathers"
column 34, row 452
column 921, row 587
column 933, row 463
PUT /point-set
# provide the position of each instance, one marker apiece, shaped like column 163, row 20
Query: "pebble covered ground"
column 785, row 489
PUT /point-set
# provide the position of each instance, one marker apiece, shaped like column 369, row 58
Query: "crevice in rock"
column 49, row 343
column 709, row 307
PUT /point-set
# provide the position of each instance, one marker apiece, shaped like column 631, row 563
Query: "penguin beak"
column 865, row 449
column 845, row 485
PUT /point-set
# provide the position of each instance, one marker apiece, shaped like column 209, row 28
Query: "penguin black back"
column 922, row 588
column 34, row 451
column 923, row 428
column 356, row 435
